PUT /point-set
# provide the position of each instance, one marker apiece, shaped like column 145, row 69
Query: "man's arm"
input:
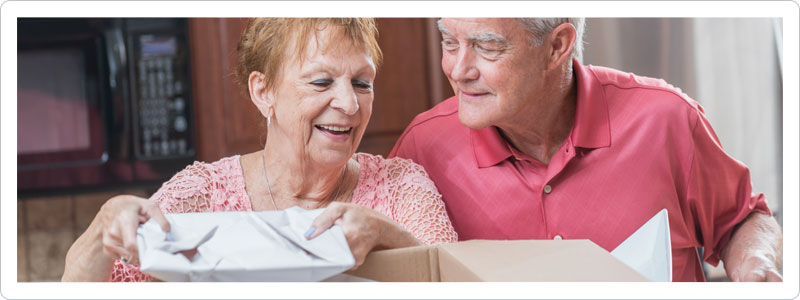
column 755, row 251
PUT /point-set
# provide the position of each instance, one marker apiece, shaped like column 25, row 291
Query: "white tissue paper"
column 242, row 246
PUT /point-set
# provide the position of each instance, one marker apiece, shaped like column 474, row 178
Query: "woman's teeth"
column 334, row 128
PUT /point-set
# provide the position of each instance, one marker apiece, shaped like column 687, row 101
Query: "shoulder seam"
column 429, row 118
column 655, row 88
column 604, row 83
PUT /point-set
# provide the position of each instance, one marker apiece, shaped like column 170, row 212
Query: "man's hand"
column 754, row 252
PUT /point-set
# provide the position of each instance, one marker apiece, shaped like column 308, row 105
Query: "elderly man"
column 537, row 146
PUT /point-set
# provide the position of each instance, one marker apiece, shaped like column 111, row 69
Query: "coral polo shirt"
column 638, row 145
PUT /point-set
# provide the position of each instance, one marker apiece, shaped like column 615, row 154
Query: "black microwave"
column 102, row 101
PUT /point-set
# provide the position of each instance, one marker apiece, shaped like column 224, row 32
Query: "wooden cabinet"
column 226, row 121
column 410, row 81
column 406, row 84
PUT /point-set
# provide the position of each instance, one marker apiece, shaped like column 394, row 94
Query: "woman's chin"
column 334, row 157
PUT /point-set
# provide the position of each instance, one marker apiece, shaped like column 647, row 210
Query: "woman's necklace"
column 264, row 165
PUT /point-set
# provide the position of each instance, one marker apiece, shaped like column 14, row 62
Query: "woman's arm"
column 418, row 206
column 85, row 259
column 111, row 235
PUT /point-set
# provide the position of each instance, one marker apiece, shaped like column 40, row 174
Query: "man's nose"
column 345, row 99
column 464, row 68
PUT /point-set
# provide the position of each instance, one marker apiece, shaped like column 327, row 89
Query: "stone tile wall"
column 47, row 227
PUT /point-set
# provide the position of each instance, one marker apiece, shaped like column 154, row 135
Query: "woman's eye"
column 322, row 82
column 362, row 85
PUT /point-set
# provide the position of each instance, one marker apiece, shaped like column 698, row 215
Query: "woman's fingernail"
column 169, row 237
column 309, row 232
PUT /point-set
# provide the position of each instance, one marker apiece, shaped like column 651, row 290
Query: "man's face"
column 493, row 68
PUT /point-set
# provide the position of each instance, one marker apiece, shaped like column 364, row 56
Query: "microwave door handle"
column 117, row 66
column 115, row 51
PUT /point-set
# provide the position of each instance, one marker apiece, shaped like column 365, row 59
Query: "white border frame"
column 11, row 289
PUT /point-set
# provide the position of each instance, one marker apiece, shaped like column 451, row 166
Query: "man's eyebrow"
column 485, row 37
column 488, row 37
column 442, row 29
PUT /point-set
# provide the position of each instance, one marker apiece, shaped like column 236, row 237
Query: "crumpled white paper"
column 242, row 246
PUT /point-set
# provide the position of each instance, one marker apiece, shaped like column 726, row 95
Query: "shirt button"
column 558, row 237
column 548, row 189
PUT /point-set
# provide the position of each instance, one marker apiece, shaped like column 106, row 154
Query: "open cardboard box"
column 484, row 260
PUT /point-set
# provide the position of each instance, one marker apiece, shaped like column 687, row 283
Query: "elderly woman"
column 312, row 81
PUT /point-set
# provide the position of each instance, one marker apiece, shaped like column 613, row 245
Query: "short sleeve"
column 417, row 204
column 190, row 190
column 719, row 191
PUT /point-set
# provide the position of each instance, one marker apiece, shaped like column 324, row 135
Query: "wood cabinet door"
column 409, row 82
column 227, row 121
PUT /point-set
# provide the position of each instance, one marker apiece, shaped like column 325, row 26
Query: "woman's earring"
column 269, row 118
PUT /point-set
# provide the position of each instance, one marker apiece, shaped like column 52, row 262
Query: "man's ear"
column 259, row 94
column 562, row 40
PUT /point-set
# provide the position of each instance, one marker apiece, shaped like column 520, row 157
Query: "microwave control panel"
column 162, row 108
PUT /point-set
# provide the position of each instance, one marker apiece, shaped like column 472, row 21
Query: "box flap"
column 405, row 264
column 531, row 260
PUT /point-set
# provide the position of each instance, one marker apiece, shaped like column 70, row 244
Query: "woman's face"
column 322, row 105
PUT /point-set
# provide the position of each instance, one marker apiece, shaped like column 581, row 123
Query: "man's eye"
column 322, row 82
column 489, row 53
column 486, row 49
column 449, row 45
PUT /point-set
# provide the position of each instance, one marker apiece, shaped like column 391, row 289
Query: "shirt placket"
column 532, row 173
column 549, row 187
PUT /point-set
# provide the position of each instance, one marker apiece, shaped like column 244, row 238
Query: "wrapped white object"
column 242, row 246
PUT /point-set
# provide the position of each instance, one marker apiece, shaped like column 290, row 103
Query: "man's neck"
column 540, row 130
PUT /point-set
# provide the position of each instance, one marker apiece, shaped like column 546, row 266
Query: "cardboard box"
column 483, row 260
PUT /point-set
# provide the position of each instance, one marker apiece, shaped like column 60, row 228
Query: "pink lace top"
column 396, row 187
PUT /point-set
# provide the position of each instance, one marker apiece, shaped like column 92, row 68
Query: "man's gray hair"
column 540, row 27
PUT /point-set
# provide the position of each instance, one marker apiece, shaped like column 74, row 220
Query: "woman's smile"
column 337, row 133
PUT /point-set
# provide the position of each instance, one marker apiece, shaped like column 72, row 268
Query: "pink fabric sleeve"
column 417, row 204
column 190, row 190
column 719, row 191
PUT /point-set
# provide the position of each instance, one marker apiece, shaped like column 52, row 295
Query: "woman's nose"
column 345, row 99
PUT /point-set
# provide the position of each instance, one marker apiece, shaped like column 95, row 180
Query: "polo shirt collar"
column 489, row 146
column 591, row 129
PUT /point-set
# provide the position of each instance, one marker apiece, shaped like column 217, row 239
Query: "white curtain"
column 730, row 66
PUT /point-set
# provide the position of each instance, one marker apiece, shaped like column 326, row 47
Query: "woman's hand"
column 364, row 228
column 120, row 217
column 110, row 236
